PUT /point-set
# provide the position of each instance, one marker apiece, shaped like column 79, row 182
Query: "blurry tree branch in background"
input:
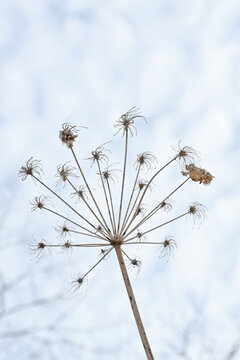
column 193, row 337
column 21, row 333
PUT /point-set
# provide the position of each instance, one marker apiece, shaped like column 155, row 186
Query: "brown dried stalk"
column 116, row 234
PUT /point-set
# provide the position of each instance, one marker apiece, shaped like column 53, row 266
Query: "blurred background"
column 87, row 63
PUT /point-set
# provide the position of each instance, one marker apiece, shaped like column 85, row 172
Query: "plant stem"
column 133, row 303
column 123, row 180
column 105, row 195
column 134, row 186
column 89, row 190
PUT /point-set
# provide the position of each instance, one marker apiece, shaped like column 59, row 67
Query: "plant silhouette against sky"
column 118, row 225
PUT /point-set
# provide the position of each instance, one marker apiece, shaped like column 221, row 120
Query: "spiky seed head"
column 165, row 206
column 140, row 235
column 99, row 154
column 64, row 172
column 146, row 159
column 68, row 134
column 186, row 155
column 140, row 210
column 31, row 167
column 109, row 174
column 40, row 202
column 126, row 121
column 167, row 247
column 136, row 263
column 67, row 245
column 141, row 184
column 197, row 212
column 80, row 193
column 41, row 245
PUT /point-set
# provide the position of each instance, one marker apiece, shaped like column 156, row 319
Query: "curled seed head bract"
column 126, row 121
column 146, row 160
column 63, row 230
column 66, row 248
column 186, row 155
column 39, row 202
column 165, row 205
column 99, row 154
column 140, row 210
column 140, row 236
column 109, row 173
column 142, row 183
column 167, row 247
column 31, row 167
column 134, row 264
column 78, row 283
column 64, row 172
column 68, row 134
column 196, row 212
column 36, row 249
column 80, row 193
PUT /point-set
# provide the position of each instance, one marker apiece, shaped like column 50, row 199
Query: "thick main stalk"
column 133, row 303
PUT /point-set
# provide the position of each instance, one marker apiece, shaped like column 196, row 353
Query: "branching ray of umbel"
column 116, row 234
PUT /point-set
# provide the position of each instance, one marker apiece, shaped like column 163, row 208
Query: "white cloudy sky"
column 87, row 62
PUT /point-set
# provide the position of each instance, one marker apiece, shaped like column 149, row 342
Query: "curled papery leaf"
column 198, row 174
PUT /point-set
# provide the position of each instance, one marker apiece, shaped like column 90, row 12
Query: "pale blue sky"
column 87, row 62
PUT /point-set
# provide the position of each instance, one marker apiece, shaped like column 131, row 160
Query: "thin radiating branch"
column 106, row 198
column 98, row 262
column 82, row 233
column 123, row 178
column 147, row 186
column 157, row 227
column 130, row 200
column 86, row 203
column 73, row 222
column 111, row 202
column 126, row 227
column 157, row 208
column 142, row 242
column 69, row 245
column 90, row 192
column 65, row 202
column 126, row 255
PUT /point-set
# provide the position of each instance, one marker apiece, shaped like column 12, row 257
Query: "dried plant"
column 110, row 227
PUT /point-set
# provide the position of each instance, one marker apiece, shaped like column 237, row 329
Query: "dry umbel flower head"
column 113, row 224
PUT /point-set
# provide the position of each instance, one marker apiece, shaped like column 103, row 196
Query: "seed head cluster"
column 113, row 222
